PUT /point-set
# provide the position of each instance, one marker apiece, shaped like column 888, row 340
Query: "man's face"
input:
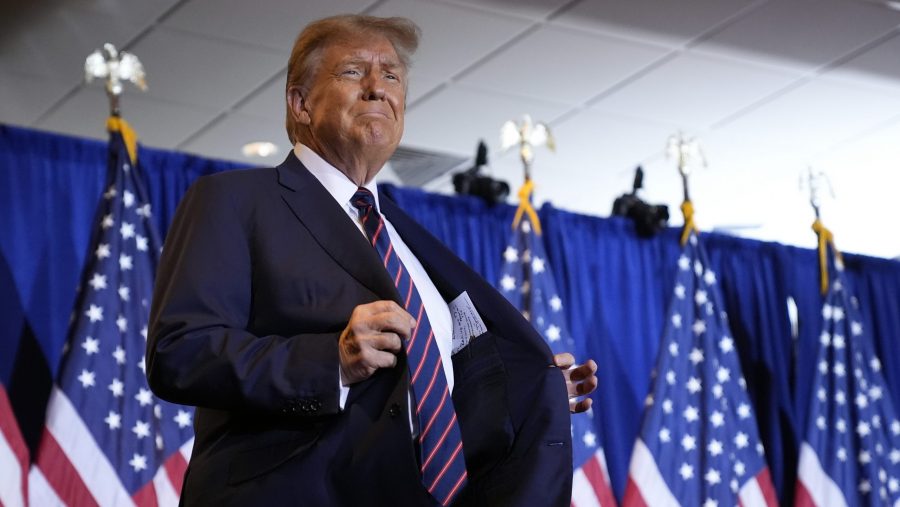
column 355, row 106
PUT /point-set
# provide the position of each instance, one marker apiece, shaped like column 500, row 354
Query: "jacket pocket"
column 254, row 462
column 481, row 402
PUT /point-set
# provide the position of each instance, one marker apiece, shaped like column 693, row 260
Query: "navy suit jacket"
column 259, row 275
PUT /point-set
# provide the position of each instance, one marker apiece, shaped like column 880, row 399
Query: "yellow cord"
column 526, row 207
column 687, row 209
column 826, row 238
column 116, row 124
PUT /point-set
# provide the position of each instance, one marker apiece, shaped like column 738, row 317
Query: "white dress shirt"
column 342, row 189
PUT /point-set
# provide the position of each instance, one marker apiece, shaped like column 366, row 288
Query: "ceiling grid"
column 770, row 87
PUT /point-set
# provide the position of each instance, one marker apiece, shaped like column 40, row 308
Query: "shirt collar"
column 337, row 183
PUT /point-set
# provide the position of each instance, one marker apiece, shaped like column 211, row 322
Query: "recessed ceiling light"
column 259, row 149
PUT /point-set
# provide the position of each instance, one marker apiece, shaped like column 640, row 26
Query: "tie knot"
column 363, row 200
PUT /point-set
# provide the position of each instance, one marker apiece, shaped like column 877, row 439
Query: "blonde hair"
column 306, row 54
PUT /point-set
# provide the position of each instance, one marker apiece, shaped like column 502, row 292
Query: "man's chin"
column 378, row 139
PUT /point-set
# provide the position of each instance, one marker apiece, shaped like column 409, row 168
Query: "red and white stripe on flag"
column 13, row 457
column 814, row 487
column 590, row 484
column 70, row 469
column 646, row 486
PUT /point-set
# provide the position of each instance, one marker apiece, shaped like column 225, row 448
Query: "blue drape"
column 614, row 285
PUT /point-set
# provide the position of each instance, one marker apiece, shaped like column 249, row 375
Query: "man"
column 298, row 310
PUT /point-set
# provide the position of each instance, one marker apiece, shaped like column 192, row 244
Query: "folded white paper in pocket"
column 467, row 324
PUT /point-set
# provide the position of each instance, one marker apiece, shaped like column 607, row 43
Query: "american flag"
column 13, row 457
column 528, row 284
column 851, row 453
column 107, row 440
column 699, row 443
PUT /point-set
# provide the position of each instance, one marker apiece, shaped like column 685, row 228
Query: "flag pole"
column 528, row 284
column 825, row 236
column 526, row 135
column 107, row 439
column 115, row 67
column 686, row 152
column 699, row 421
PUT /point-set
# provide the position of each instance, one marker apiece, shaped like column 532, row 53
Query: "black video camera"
column 472, row 182
column 648, row 218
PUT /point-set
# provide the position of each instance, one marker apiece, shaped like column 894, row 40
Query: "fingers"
column 582, row 388
column 564, row 360
column 579, row 406
column 389, row 342
column 381, row 317
column 581, row 380
column 584, row 371
column 373, row 336
column 382, row 359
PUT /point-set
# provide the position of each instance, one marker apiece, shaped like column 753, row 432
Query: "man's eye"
column 350, row 72
column 393, row 77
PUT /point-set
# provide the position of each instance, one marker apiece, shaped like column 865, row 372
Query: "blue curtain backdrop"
column 615, row 287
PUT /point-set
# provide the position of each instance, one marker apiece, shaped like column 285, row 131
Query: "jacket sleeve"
column 199, row 351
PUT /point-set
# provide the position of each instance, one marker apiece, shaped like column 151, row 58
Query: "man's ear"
column 298, row 105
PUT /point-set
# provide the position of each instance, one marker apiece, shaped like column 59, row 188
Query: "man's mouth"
column 375, row 113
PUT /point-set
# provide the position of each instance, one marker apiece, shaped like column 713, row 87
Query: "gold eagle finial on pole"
column 526, row 135
column 687, row 152
column 114, row 66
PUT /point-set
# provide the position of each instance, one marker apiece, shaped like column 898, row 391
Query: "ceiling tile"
column 760, row 201
column 195, row 70
column 562, row 65
column 227, row 136
column 145, row 11
column 794, row 127
column 877, row 66
column 445, row 50
column 864, row 177
column 803, row 33
column 644, row 67
column 268, row 101
column 273, row 24
column 530, row 9
column 455, row 118
column 23, row 99
column 873, row 148
column 617, row 144
column 667, row 23
column 419, row 87
column 54, row 43
column 157, row 123
column 596, row 154
column 695, row 91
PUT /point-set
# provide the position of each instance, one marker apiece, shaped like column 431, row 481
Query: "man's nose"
column 373, row 88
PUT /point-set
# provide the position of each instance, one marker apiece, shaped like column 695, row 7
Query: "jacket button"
column 394, row 411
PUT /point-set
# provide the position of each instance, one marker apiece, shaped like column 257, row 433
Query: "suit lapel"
column 451, row 276
column 317, row 210
column 429, row 255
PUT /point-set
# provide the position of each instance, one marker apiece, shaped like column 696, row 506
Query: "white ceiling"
column 769, row 87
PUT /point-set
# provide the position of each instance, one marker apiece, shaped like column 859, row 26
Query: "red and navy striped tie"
column 441, row 462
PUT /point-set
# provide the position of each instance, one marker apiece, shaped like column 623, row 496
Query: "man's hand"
column 372, row 339
column 580, row 380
